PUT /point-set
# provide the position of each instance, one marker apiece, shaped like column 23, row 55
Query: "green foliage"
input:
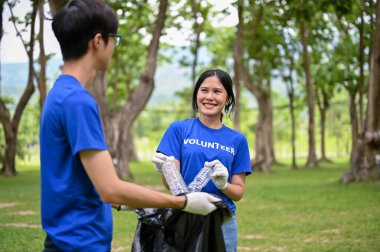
column 220, row 44
column 304, row 210
column 135, row 26
column 28, row 132
column 28, row 138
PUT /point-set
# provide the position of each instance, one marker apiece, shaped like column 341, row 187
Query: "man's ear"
column 96, row 41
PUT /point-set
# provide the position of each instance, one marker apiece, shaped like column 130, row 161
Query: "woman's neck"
column 211, row 122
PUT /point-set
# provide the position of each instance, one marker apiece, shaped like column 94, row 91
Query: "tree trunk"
column 293, row 135
column 290, row 91
column 237, row 53
column 237, row 101
column 57, row 5
column 1, row 21
column 323, row 106
column 354, row 123
column 197, row 28
column 263, row 131
column 1, row 103
column 369, row 143
column 361, row 84
column 140, row 96
column 322, row 129
column 11, row 126
column 289, row 51
column 42, row 56
column 312, row 157
column 8, row 165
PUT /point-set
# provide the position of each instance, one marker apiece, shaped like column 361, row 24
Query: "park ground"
column 286, row 210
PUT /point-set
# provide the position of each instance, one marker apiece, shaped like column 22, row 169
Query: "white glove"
column 200, row 203
column 219, row 175
column 158, row 161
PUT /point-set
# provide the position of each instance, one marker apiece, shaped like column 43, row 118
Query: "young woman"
column 204, row 140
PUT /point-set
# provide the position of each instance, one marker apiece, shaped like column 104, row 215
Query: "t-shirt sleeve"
column 242, row 160
column 171, row 142
column 82, row 123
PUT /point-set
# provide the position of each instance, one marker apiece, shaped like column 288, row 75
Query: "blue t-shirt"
column 72, row 213
column 192, row 143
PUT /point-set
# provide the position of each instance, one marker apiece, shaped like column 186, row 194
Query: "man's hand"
column 200, row 203
column 219, row 175
column 158, row 160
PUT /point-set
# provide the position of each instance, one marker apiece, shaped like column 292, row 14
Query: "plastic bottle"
column 201, row 179
column 125, row 208
column 173, row 178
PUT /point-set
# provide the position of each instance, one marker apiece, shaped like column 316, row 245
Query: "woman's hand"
column 219, row 175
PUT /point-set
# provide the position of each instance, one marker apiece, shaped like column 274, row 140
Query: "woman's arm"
column 235, row 189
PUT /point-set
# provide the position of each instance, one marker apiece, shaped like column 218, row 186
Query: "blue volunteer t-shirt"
column 72, row 213
column 192, row 143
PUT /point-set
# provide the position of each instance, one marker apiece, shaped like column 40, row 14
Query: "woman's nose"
column 209, row 95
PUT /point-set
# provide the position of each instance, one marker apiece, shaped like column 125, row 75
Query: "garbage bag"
column 171, row 230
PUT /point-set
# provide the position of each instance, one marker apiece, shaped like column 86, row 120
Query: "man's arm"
column 100, row 169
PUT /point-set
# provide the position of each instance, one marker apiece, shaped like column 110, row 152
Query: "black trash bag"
column 171, row 230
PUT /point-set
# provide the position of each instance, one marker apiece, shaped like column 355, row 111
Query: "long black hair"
column 226, row 81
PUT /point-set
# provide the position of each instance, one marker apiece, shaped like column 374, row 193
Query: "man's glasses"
column 117, row 38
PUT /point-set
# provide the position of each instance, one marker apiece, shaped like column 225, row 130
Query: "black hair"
column 226, row 81
column 76, row 24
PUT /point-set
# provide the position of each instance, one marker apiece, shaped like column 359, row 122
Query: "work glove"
column 200, row 203
column 219, row 174
column 158, row 161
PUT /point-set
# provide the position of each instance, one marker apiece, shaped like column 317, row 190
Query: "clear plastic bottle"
column 201, row 179
column 173, row 178
column 125, row 208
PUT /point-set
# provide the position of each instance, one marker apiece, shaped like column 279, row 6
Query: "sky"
column 12, row 50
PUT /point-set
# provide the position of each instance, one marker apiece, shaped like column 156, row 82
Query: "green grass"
column 303, row 210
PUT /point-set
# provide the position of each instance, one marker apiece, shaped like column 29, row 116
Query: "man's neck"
column 81, row 69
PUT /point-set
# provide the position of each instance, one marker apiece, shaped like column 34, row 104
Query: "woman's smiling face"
column 211, row 97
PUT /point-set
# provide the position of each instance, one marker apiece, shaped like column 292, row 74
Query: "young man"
column 78, row 179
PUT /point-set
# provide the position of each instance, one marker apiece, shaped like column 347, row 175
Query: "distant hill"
column 15, row 75
column 169, row 78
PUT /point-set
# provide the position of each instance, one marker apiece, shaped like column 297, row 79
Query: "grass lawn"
column 303, row 210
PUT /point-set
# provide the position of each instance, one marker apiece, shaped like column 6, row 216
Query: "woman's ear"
column 229, row 101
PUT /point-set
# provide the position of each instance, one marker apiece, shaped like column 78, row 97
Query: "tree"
column 11, row 124
column 57, row 5
column 302, row 12
column 349, row 54
column 118, row 121
column 363, row 159
column 312, row 156
column 289, row 51
column 42, row 59
column 261, row 88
